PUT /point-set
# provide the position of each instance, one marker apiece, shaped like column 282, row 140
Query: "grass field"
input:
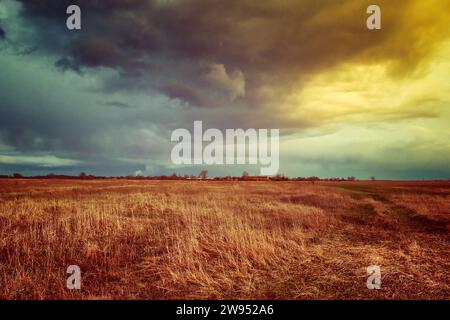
column 205, row 239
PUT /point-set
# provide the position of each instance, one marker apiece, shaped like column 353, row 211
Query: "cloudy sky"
column 105, row 99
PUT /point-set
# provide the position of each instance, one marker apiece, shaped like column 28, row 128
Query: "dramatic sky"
column 105, row 99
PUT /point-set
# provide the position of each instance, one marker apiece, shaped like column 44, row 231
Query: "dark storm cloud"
column 29, row 129
column 180, row 91
column 65, row 64
column 110, row 36
column 116, row 104
column 104, row 53
column 2, row 34
column 275, row 44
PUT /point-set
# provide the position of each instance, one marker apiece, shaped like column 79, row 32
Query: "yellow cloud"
column 367, row 94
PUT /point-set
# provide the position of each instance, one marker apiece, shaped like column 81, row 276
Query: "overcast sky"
column 347, row 100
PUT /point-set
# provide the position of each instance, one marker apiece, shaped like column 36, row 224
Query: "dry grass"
column 204, row 239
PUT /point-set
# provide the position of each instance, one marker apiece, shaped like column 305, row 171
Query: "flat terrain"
column 205, row 239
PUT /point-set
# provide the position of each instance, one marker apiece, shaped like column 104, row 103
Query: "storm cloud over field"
column 348, row 100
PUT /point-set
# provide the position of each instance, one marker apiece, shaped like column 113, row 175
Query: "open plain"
column 144, row 239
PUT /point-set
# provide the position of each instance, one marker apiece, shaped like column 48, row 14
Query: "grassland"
column 234, row 240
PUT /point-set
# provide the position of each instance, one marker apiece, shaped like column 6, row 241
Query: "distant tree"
column 245, row 174
column 138, row 174
column 17, row 175
column 83, row 175
column 372, row 178
column 203, row 174
column 351, row 178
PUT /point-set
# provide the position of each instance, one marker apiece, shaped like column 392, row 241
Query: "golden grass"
column 234, row 240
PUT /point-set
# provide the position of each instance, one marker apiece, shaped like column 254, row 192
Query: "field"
column 137, row 239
